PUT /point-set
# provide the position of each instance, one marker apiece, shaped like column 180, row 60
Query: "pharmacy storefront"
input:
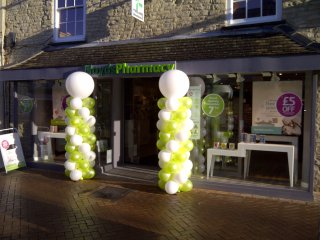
column 254, row 118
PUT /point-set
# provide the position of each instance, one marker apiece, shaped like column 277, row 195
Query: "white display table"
column 46, row 148
column 244, row 151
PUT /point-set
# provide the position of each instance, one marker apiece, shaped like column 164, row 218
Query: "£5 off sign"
column 289, row 104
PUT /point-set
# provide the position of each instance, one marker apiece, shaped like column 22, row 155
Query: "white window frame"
column 56, row 37
column 262, row 19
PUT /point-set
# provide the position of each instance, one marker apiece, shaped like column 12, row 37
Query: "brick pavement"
column 38, row 204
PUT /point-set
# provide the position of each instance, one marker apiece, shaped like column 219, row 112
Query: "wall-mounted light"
column 239, row 78
column 275, row 77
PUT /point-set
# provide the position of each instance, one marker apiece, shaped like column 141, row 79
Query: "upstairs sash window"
column 69, row 20
column 253, row 11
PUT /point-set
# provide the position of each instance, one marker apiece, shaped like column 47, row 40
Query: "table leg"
column 209, row 158
column 291, row 166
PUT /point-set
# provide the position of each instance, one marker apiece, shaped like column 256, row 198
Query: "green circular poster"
column 213, row 105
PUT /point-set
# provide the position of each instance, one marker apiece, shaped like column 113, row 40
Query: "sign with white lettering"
column 137, row 9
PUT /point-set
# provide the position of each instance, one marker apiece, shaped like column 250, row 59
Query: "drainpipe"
column 3, row 4
column 2, row 28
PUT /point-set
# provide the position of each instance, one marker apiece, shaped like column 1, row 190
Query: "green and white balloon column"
column 175, row 127
column 80, row 135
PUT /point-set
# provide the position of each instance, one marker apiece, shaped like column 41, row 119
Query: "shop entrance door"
column 141, row 116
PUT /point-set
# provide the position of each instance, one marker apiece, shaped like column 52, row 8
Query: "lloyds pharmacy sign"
column 128, row 69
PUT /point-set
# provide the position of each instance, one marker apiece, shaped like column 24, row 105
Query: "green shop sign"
column 124, row 68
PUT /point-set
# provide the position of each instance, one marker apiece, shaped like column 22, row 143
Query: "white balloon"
column 189, row 113
column 160, row 124
column 164, row 155
column 91, row 121
column 79, row 84
column 92, row 129
column 164, row 115
column 188, row 125
column 76, row 103
column 183, row 136
column 67, row 155
column 198, row 81
column 84, row 113
column 90, row 155
column 202, row 168
column 75, row 175
column 70, row 130
column 203, row 132
column 181, row 177
column 171, row 187
column 172, row 104
column 187, row 165
column 76, row 140
column 174, row 84
column 161, row 163
column 70, row 165
column 172, row 146
column 84, row 148
column 92, row 163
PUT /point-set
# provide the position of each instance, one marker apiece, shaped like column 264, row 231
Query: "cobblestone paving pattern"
column 37, row 204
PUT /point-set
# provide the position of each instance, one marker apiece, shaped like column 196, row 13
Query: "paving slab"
column 42, row 204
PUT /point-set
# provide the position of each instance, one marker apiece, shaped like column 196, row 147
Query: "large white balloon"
column 172, row 187
column 183, row 136
column 198, row 81
column 181, row 177
column 75, row 175
column 174, row 84
column 80, row 84
column 91, row 121
column 84, row 148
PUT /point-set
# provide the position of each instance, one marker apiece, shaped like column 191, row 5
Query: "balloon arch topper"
column 80, row 135
column 175, row 127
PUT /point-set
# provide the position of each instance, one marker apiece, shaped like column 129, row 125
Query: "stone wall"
column 32, row 21
column 317, row 144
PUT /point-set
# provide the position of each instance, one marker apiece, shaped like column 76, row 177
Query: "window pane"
column 63, row 16
column 70, row 3
column 61, row 3
column 254, row 7
column 71, row 15
column 79, row 2
column 79, row 28
column 79, row 14
column 71, row 28
column 269, row 7
column 239, row 10
column 63, row 30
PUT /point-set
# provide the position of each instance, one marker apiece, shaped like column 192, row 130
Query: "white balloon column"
column 80, row 130
column 175, row 130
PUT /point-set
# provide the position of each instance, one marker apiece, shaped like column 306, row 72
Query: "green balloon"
column 76, row 121
column 161, row 103
column 68, row 100
column 70, row 112
column 179, row 115
column 88, row 102
column 186, row 102
column 171, row 167
column 180, row 156
column 84, row 129
column 67, row 138
column 83, row 165
column 88, row 174
column 164, row 176
column 75, row 156
column 92, row 111
column 67, row 172
column 161, row 184
column 165, row 137
column 70, row 148
column 186, row 187
column 187, row 145
column 161, row 144
column 91, row 138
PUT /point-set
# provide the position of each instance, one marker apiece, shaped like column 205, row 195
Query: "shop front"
column 240, row 100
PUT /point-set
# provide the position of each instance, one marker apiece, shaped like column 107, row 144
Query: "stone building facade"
column 31, row 24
